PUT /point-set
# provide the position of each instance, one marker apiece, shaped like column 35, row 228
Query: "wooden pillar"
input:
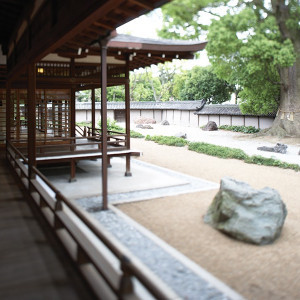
column 93, row 112
column 73, row 101
column 127, row 116
column 31, row 89
column 18, row 123
column 104, row 122
column 8, row 111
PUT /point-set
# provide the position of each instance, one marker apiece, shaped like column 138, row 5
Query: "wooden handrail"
column 129, row 265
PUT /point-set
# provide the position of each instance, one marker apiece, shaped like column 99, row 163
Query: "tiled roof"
column 134, row 39
column 209, row 109
column 225, row 109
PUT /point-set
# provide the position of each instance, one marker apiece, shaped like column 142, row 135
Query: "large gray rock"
column 278, row 148
column 246, row 214
column 210, row 126
column 165, row 122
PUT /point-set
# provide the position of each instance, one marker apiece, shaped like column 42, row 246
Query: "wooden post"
column 73, row 101
column 127, row 116
column 8, row 112
column 93, row 112
column 104, row 122
column 31, row 88
column 18, row 127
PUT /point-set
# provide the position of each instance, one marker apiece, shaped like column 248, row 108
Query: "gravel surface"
column 173, row 272
column 246, row 142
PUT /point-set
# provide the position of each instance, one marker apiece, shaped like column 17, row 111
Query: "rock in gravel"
column 180, row 135
column 144, row 120
column 278, row 148
column 165, row 122
column 246, row 214
column 210, row 126
column 147, row 126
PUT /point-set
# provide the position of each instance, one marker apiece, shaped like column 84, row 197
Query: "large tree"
column 254, row 44
column 200, row 83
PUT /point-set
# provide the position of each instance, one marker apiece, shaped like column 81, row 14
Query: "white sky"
column 147, row 25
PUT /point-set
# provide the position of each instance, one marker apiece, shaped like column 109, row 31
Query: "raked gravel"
column 174, row 273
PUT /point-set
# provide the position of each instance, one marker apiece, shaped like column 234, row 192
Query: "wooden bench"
column 73, row 157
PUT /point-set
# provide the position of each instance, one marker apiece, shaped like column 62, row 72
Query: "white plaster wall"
column 80, row 115
column 225, row 120
column 98, row 115
column 265, row 122
column 165, row 115
column 238, row 121
column 185, row 118
column 193, row 119
column 214, row 118
column 203, row 119
column 177, row 117
column 251, row 121
column 170, row 116
column 147, row 113
column 135, row 114
column 158, row 116
column 110, row 115
column 88, row 114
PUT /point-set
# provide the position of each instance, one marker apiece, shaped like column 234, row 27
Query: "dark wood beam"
column 142, row 3
column 52, row 28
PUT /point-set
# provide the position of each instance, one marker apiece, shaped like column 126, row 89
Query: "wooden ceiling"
column 36, row 28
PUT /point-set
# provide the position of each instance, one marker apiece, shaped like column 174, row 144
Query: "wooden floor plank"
column 31, row 266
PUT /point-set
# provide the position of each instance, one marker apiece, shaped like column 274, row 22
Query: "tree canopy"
column 201, row 83
column 253, row 44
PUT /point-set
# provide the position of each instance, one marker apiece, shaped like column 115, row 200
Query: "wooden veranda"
column 50, row 50
column 55, row 80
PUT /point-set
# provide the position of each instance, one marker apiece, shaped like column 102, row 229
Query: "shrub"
column 84, row 123
column 135, row 134
column 219, row 151
column 243, row 129
column 167, row 140
column 112, row 125
column 260, row 160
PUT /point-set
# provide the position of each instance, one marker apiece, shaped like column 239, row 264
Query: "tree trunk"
column 287, row 121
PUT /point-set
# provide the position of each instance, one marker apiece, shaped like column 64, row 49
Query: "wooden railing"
column 80, row 131
column 110, row 269
column 119, row 138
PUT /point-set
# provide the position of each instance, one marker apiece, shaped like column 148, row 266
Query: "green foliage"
column 140, row 86
column 84, row 123
column 248, row 52
column 83, row 96
column 167, row 140
column 249, row 44
column 244, row 129
column 135, row 134
column 219, row 151
column 112, row 126
column 202, row 84
column 147, row 87
column 181, row 19
column 116, row 93
column 260, row 160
